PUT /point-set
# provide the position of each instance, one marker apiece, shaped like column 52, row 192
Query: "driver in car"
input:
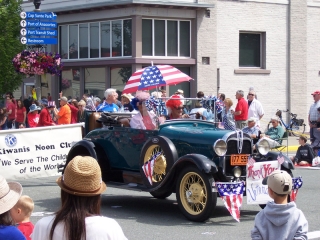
column 175, row 108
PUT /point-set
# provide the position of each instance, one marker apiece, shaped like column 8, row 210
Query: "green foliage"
column 9, row 43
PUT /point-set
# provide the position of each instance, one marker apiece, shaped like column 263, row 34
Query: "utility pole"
column 38, row 48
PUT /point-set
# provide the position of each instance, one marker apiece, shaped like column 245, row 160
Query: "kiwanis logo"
column 10, row 140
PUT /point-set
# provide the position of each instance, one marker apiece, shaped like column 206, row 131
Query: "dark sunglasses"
column 250, row 94
column 179, row 108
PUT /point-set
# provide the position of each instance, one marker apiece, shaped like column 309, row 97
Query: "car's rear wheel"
column 156, row 159
column 194, row 194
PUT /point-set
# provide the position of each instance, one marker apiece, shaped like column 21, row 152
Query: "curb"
column 290, row 149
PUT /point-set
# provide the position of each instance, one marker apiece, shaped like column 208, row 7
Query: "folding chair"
column 282, row 146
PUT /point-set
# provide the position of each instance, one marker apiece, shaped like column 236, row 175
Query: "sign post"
column 38, row 29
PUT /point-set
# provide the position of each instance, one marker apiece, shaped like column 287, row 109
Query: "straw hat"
column 82, row 177
column 128, row 96
column 9, row 194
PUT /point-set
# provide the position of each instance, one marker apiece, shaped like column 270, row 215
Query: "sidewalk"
column 292, row 144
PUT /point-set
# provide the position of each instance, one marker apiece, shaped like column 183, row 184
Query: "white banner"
column 35, row 152
column 257, row 193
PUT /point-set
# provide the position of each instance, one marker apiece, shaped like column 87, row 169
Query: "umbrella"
column 155, row 76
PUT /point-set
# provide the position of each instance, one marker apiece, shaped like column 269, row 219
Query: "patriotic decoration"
column 156, row 105
column 148, row 167
column 251, row 161
column 231, row 194
column 208, row 103
column 280, row 158
column 155, row 76
column 296, row 184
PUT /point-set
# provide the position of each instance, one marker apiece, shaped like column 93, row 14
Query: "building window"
column 119, row 77
column 84, row 40
column 166, row 38
column 252, row 50
column 70, row 83
column 96, row 40
column 95, row 81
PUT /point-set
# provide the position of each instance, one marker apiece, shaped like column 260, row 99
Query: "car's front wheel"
column 194, row 194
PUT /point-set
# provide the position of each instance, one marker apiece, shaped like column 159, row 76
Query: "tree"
column 10, row 44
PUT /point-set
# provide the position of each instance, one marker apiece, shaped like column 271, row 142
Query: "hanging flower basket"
column 37, row 63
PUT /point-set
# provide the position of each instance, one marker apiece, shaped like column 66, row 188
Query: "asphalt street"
column 143, row 217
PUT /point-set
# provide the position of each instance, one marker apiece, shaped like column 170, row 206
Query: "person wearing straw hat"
column 45, row 117
column 9, row 195
column 79, row 215
column 125, row 101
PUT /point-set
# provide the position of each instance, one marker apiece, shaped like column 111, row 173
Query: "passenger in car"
column 143, row 119
column 175, row 108
column 274, row 134
column 251, row 129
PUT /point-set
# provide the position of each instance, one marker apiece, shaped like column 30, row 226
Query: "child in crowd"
column 279, row 219
column 21, row 213
column 304, row 153
column 10, row 193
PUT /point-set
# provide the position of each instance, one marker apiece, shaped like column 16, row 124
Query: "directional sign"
column 41, row 15
column 23, row 15
column 36, row 32
column 23, row 23
column 42, row 40
column 39, row 24
column 23, row 40
column 23, row 31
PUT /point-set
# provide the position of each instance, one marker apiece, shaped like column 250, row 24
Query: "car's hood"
column 201, row 132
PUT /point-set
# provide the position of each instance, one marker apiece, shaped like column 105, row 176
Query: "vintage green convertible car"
column 186, row 157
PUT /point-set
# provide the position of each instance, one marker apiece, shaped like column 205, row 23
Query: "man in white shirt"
column 255, row 108
column 313, row 118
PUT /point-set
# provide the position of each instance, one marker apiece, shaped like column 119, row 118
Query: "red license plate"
column 239, row 159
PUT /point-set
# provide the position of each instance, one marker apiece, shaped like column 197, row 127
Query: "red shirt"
column 33, row 119
column 243, row 107
column 20, row 114
column 74, row 113
column 11, row 106
column 26, row 228
column 45, row 118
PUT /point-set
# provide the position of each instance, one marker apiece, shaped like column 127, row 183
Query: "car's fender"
column 287, row 163
column 202, row 162
column 82, row 148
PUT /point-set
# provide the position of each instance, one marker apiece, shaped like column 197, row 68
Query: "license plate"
column 239, row 159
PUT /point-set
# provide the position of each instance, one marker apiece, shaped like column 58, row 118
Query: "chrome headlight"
column 263, row 146
column 220, row 147
column 237, row 171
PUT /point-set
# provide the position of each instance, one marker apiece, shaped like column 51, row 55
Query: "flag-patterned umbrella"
column 155, row 76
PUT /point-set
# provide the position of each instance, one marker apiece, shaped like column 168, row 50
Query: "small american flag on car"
column 280, row 158
column 148, row 167
column 251, row 161
column 231, row 194
column 296, row 184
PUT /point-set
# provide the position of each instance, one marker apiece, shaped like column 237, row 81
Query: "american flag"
column 148, row 167
column 280, row 158
column 296, row 184
column 251, row 161
column 154, row 76
column 231, row 194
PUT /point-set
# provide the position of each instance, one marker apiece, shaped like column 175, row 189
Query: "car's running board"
column 128, row 186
